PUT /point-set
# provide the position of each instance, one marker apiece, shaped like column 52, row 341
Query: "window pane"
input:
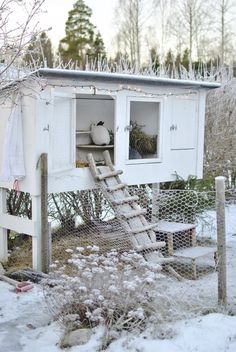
column 143, row 130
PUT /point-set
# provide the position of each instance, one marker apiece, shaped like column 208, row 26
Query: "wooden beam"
column 221, row 239
column 45, row 238
column 18, row 224
column 109, row 174
column 3, row 230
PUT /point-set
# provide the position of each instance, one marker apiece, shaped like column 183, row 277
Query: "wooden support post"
column 45, row 238
column 193, row 237
column 221, row 240
column 3, row 231
column 41, row 238
column 155, row 205
column 36, row 238
column 194, row 269
column 170, row 244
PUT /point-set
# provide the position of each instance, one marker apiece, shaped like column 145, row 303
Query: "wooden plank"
column 9, row 280
column 133, row 213
column 92, row 165
column 94, row 146
column 107, row 159
column 46, row 255
column 142, row 229
column 116, row 187
column 173, row 227
column 3, row 231
column 125, row 200
column 36, row 239
column 108, row 175
column 194, row 252
column 157, row 258
column 150, row 246
column 17, row 224
column 221, row 239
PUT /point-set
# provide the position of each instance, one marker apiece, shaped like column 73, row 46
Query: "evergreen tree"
column 185, row 59
column 178, row 64
column 169, row 63
column 155, row 59
column 39, row 52
column 98, row 49
column 81, row 39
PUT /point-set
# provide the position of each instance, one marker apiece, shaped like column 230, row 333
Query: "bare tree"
column 131, row 16
column 220, row 131
column 16, row 34
column 164, row 10
column 224, row 18
column 193, row 17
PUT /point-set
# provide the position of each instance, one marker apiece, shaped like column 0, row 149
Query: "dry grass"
column 20, row 257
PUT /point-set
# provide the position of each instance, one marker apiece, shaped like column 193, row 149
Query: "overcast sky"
column 57, row 14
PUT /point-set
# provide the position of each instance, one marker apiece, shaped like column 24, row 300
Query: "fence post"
column 221, row 240
column 45, row 237
column 3, row 232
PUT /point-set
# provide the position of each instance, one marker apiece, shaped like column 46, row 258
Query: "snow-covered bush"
column 115, row 290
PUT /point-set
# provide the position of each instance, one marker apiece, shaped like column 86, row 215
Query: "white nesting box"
column 156, row 126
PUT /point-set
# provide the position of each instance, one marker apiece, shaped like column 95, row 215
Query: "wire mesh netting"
column 185, row 225
column 178, row 234
column 105, row 261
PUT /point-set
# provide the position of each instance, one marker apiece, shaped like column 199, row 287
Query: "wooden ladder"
column 126, row 208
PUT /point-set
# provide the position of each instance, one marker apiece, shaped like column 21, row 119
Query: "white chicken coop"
column 154, row 128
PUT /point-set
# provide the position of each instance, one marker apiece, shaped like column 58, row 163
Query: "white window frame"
column 160, row 101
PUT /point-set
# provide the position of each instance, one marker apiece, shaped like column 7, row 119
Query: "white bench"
column 194, row 253
column 170, row 230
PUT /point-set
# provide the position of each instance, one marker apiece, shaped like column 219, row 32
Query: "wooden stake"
column 221, row 240
column 3, row 231
column 46, row 255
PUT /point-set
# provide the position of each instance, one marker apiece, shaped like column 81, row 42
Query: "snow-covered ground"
column 26, row 323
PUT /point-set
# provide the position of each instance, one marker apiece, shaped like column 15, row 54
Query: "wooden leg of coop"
column 194, row 269
column 3, row 245
column 193, row 236
column 3, row 231
column 36, row 238
column 170, row 244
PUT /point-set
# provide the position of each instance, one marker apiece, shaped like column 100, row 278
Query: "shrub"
column 114, row 290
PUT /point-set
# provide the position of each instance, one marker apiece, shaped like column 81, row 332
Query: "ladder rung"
column 134, row 213
column 109, row 174
column 116, row 187
column 142, row 229
column 162, row 261
column 150, row 246
column 124, row 200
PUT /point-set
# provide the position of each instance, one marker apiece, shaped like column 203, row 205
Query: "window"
column 143, row 129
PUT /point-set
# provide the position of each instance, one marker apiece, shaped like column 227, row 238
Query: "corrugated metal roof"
column 122, row 78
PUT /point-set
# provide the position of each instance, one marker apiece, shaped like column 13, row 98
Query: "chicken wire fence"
column 185, row 226
column 91, row 239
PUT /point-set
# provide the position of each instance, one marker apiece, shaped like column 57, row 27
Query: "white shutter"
column 62, row 133
column 183, row 127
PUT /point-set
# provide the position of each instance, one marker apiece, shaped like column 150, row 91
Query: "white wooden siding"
column 62, row 134
column 183, row 124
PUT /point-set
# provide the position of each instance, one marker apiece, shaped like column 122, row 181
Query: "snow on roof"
column 122, row 78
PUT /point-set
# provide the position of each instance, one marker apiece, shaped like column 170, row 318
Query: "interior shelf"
column 83, row 132
column 93, row 146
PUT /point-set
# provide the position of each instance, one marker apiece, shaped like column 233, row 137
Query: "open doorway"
column 95, row 117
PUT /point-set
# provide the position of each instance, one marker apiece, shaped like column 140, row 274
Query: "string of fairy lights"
column 95, row 90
